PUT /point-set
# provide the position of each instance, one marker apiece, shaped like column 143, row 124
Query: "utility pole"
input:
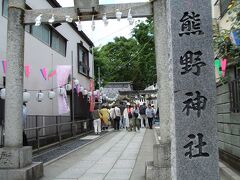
column 99, row 78
column 73, row 127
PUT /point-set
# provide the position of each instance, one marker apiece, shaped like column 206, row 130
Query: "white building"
column 48, row 46
column 220, row 15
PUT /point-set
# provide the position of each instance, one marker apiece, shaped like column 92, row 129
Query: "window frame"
column 52, row 30
column 49, row 43
column 6, row 16
column 80, row 46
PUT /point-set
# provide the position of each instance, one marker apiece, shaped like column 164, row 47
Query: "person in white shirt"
column 126, row 117
column 115, row 114
column 150, row 113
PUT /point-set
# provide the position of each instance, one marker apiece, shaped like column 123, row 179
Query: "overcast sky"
column 101, row 35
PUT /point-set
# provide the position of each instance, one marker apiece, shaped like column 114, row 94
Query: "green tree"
column 130, row 59
column 146, row 71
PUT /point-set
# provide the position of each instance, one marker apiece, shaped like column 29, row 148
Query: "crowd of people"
column 127, row 116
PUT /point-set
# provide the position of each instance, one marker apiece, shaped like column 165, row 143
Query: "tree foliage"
column 130, row 59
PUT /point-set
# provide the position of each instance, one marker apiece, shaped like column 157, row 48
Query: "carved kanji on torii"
column 86, row 8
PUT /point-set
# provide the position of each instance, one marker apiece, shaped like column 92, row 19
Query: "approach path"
column 119, row 155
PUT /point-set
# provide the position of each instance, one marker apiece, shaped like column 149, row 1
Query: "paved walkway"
column 112, row 157
column 145, row 154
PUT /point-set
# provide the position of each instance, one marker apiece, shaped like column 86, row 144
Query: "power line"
column 138, row 52
column 111, row 33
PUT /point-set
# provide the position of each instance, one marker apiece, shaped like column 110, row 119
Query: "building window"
column 42, row 33
column 58, row 43
column 83, row 60
column 49, row 36
column 5, row 8
column 224, row 6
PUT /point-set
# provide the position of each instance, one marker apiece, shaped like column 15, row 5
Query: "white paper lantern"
column 3, row 93
column 89, row 93
column 76, row 82
column 39, row 96
column 51, row 94
column 95, row 93
column 61, row 91
column 26, row 96
column 85, row 92
column 68, row 87
column 81, row 89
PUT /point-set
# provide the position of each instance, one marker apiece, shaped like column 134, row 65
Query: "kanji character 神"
column 196, row 104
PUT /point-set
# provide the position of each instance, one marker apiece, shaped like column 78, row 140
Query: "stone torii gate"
column 183, row 37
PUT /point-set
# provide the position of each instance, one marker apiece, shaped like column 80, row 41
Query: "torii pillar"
column 188, row 146
column 16, row 159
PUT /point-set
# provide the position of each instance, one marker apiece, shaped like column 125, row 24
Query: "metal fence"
column 44, row 130
column 234, row 88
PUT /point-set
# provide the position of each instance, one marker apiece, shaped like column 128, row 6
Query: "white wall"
column 39, row 55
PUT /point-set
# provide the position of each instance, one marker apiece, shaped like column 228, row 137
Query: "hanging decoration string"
column 117, row 12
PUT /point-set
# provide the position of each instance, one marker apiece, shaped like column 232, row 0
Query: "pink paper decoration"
column 52, row 74
column 4, row 63
column 27, row 70
column 92, row 100
column 224, row 67
column 63, row 72
column 44, row 73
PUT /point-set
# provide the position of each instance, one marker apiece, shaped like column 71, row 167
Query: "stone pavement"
column 145, row 154
column 112, row 157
